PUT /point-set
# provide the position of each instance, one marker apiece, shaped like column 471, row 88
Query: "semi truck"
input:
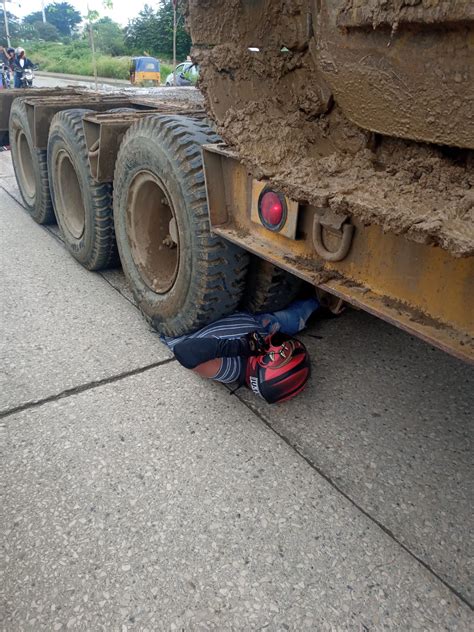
column 333, row 148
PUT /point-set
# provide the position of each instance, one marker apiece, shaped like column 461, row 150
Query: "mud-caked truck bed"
column 363, row 107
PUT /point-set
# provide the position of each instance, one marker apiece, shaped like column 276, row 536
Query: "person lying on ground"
column 256, row 350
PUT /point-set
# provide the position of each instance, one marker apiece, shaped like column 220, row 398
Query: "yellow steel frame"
column 420, row 288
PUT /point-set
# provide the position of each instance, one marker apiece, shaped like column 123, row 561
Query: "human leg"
column 290, row 320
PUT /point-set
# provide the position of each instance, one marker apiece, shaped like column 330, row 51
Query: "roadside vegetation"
column 62, row 43
column 76, row 59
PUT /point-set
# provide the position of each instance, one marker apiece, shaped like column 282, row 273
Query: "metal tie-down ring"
column 336, row 223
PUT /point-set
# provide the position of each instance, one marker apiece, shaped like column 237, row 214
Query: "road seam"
column 120, row 292
column 338, row 489
column 75, row 390
column 12, row 196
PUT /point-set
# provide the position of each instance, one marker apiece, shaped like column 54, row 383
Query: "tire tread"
column 103, row 251
column 220, row 267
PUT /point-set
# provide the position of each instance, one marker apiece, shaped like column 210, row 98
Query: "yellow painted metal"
column 418, row 287
column 142, row 77
column 424, row 277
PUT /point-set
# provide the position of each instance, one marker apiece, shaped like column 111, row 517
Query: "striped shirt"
column 231, row 327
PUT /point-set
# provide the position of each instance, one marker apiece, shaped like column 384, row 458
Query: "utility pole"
column 90, row 16
column 174, row 40
column 43, row 11
column 5, row 17
column 94, row 59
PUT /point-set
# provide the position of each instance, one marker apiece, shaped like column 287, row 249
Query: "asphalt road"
column 141, row 497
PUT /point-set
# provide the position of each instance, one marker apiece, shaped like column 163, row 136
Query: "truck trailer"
column 333, row 148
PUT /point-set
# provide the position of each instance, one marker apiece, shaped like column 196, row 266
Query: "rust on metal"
column 104, row 133
column 40, row 111
column 418, row 287
column 8, row 96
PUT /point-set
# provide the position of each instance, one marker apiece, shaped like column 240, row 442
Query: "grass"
column 76, row 59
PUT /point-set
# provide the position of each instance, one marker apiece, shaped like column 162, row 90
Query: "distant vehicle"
column 186, row 74
column 145, row 71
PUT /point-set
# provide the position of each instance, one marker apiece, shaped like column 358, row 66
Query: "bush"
column 75, row 58
column 115, row 67
column 165, row 71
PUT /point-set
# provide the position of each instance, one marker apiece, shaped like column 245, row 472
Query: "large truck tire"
column 269, row 288
column 30, row 166
column 83, row 207
column 182, row 276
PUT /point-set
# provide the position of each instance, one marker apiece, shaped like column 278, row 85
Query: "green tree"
column 140, row 33
column 45, row 31
column 62, row 15
column 109, row 37
column 152, row 31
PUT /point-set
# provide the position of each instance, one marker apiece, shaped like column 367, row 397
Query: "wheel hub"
column 153, row 232
column 25, row 165
column 69, row 201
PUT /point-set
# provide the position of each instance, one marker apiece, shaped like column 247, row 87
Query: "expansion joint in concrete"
column 338, row 489
column 82, row 388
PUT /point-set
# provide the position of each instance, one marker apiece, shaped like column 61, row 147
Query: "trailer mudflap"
column 417, row 287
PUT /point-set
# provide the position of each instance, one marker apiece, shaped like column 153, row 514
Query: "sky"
column 122, row 11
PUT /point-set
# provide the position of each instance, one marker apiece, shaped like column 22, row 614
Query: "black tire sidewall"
column 142, row 151
column 39, row 207
column 62, row 138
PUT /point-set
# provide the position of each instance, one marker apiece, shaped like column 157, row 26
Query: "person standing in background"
column 4, row 68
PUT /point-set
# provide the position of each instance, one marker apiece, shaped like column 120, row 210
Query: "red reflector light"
column 272, row 210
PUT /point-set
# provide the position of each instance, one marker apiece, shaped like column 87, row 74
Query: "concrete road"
column 140, row 497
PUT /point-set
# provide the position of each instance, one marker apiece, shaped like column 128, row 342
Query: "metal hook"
column 346, row 231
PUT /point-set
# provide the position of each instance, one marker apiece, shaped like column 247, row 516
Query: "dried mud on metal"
column 275, row 107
